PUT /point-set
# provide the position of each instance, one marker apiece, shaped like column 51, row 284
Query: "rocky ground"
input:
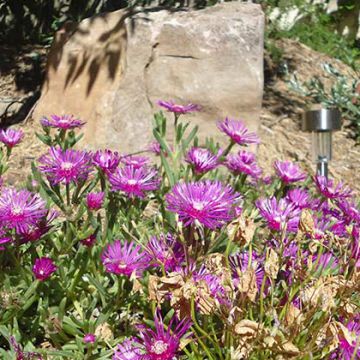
column 21, row 76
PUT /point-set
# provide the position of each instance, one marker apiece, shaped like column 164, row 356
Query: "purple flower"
column 89, row 241
column 35, row 232
column 349, row 345
column 106, row 160
column 207, row 202
column 238, row 132
column 65, row 166
column 165, row 250
column 135, row 181
column 22, row 355
column 157, row 344
column 355, row 246
column 4, row 239
column 21, row 209
column 328, row 189
column 43, row 268
column 300, row 198
column 326, row 263
column 64, row 122
column 239, row 263
column 154, row 147
column 124, row 259
column 94, row 200
column 350, row 211
column 279, row 213
column 135, row 161
column 243, row 163
column 178, row 109
column 202, row 159
column 11, row 137
column 89, row 338
column 288, row 172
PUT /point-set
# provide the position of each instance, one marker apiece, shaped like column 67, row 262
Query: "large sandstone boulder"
column 111, row 69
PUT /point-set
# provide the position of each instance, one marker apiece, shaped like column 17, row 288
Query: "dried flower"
column 94, row 200
column 135, row 181
column 11, row 137
column 178, row 109
column 289, row 172
column 279, row 213
column 106, row 160
column 202, row 160
column 243, row 163
column 208, row 202
column 64, row 122
column 43, row 268
column 65, row 166
column 158, row 344
column 21, row 209
column 349, row 340
column 124, row 258
column 238, row 132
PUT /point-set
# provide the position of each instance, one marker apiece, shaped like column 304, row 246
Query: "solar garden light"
column 321, row 123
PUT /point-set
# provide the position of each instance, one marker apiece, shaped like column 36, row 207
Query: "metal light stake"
column 321, row 123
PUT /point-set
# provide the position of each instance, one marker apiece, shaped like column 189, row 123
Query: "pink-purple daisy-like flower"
column 348, row 348
column 42, row 227
column 328, row 189
column 11, row 137
column 106, row 160
column 64, row 122
column 135, row 181
column 21, row 209
column 350, row 211
column 65, row 166
column 239, row 263
column 238, row 132
column 203, row 160
column 154, row 147
column 43, row 268
column 178, row 109
column 243, row 163
column 300, row 198
column 279, row 213
column 165, row 250
column 124, row 259
column 135, row 161
column 326, row 263
column 89, row 338
column 207, row 202
column 157, row 344
column 4, row 239
column 289, row 172
column 90, row 241
column 355, row 246
column 94, row 200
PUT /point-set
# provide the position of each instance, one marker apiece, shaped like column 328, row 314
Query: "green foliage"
column 314, row 28
column 343, row 94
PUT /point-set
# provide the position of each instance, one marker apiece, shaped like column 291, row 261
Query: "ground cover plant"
column 190, row 253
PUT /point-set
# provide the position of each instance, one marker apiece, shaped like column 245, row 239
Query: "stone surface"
column 111, row 69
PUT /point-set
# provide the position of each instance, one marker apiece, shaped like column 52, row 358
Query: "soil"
column 22, row 72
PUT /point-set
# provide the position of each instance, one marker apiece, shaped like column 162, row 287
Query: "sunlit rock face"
column 111, row 69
